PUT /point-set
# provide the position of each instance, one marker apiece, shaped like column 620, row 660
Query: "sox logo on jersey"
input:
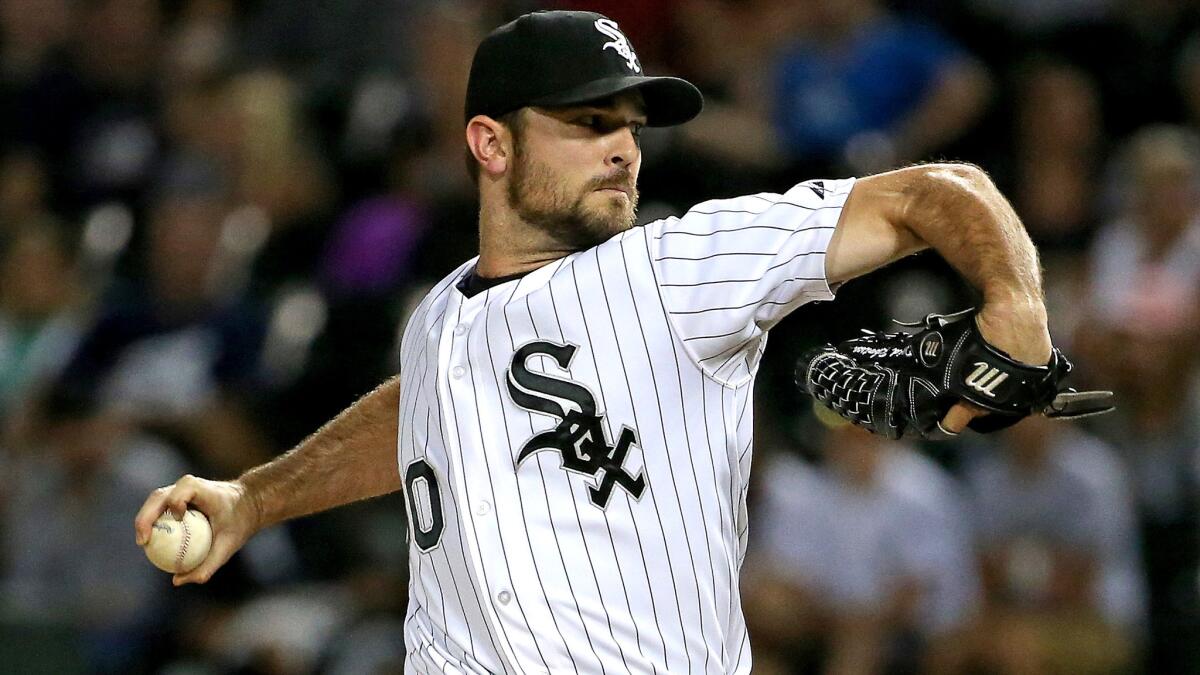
column 579, row 437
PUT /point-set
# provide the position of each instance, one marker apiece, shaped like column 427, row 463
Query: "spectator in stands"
column 93, row 112
column 279, row 183
column 172, row 351
column 24, row 191
column 1187, row 77
column 65, row 559
column 860, row 89
column 41, row 313
column 1059, row 139
column 31, row 31
column 1058, row 549
column 867, row 557
column 1140, row 335
column 33, row 34
column 1032, row 17
column 1157, row 231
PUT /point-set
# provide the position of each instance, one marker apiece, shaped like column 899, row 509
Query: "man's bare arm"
column 350, row 458
column 953, row 208
column 956, row 210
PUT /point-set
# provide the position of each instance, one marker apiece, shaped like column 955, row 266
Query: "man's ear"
column 490, row 143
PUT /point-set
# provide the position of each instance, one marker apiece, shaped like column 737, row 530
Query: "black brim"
column 669, row 100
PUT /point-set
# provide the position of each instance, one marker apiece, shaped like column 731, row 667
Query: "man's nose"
column 625, row 150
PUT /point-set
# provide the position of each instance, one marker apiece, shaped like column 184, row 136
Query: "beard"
column 542, row 200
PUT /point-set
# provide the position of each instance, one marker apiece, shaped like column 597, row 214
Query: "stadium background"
column 214, row 215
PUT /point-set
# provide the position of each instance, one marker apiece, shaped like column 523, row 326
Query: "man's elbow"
column 947, row 187
column 954, row 176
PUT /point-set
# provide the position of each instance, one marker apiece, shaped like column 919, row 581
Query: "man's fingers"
column 960, row 415
column 223, row 548
column 173, row 497
column 154, row 506
column 218, row 501
column 179, row 498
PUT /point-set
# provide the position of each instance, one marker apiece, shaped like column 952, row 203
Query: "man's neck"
column 508, row 245
column 508, row 264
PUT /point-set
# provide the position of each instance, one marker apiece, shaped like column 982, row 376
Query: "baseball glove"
column 902, row 385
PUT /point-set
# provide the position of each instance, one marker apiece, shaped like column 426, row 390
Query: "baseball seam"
column 183, row 546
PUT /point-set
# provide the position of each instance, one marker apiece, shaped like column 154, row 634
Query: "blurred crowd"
column 216, row 214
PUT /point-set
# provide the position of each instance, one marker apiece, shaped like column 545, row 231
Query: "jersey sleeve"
column 729, row 270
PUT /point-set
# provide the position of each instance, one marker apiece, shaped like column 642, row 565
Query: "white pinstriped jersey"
column 575, row 444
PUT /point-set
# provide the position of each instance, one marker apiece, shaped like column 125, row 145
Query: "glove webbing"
column 838, row 382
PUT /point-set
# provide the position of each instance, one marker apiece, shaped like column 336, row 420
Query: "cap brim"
column 669, row 100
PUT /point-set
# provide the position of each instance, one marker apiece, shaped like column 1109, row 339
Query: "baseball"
column 178, row 546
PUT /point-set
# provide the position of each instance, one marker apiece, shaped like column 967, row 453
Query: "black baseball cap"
column 559, row 58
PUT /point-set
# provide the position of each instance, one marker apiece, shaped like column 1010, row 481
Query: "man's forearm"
column 352, row 457
column 957, row 210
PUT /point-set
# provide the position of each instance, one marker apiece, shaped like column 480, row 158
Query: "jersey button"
column 460, row 329
column 458, row 371
column 483, row 508
column 504, row 597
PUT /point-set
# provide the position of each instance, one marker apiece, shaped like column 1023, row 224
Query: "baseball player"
column 571, row 425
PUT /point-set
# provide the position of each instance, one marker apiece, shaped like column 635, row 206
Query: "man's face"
column 574, row 170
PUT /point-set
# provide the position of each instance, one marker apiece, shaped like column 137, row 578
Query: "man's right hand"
column 1019, row 329
column 230, row 511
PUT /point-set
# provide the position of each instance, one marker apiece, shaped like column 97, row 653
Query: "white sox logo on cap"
column 619, row 44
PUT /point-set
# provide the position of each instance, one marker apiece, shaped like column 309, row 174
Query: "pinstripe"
column 726, row 524
column 607, row 424
column 712, row 233
column 416, row 560
column 735, row 348
column 416, row 397
column 462, row 549
column 636, row 530
column 733, row 281
column 541, row 473
column 453, row 582
column 724, row 254
column 460, row 666
column 421, row 381
column 791, row 260
column 669, row 455
column 496, row 508
column 687, row 436
column 612, row 544
column 760, row 301
column 755, row 213
column 741, row 329
column 725, row 430
column 520, row 499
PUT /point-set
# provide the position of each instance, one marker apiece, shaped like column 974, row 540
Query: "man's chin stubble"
column 615, row 220
column 581, row 228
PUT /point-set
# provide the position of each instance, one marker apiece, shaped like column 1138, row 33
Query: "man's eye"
column 591, row 121
column 637, row 130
